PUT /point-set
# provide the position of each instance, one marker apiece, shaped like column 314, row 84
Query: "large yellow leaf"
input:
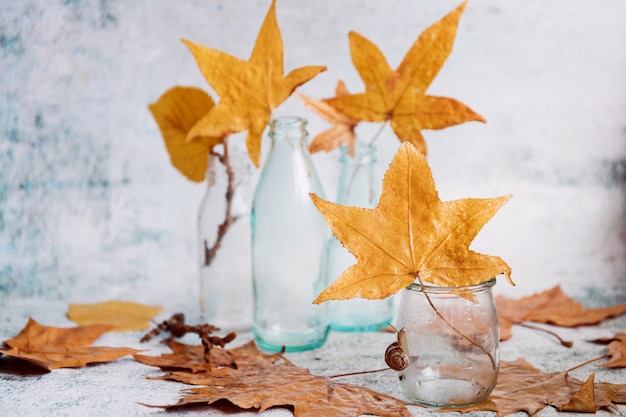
column 410, row 235
column 176, row 112
column 248, row 90
column 400, row 96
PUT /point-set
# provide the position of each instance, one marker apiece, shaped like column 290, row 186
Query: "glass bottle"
column 224, row 244
column 452, row 340
column 357, row 187
column 288, row 237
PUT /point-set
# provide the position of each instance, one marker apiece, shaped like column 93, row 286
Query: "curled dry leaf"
column 53, row 347
column 616, row 348
column 176, row 112
column 120, row 315
column 400, row 96
column 342, row 130
column 248, row 90
column 552, row 306
column 410, row 235
column 522, row 387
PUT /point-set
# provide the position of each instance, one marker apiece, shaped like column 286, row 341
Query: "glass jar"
column 358, row 186
column 451, row 338
column 288, row 238
column 224, row 244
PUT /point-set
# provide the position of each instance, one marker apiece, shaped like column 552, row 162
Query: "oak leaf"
column 53, row 347
column 342, row 130
column 121, row 315
column 248, row 90
column 176, row 112
column 400, row 96
column 522, row 387
column 411, row 235
column 552, row 306
column 616, row 347
column 284, row 384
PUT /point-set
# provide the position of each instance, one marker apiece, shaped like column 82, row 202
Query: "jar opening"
column 288, row 122
column 416, row 286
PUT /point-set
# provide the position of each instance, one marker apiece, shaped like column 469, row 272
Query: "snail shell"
column 396, row 358
column 395, row 355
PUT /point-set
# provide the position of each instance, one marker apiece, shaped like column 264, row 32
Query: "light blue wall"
column 91, row 207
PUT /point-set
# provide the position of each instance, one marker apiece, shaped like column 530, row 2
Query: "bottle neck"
column 357, row 182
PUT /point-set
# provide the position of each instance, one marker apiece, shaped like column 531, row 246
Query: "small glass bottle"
column 451, row 338
column 224, row 244
column 357, row 187
column 288, row 237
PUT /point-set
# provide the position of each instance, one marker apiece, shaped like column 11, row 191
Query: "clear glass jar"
column 358, row 186
column 451, row 337
column 224, row 244
column 288, row 238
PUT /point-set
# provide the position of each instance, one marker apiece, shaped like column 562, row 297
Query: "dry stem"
column 229, row 219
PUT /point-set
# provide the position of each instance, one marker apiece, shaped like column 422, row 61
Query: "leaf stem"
column 585, row 363
column 566, row 343
column 469, row 339
column 360, row 373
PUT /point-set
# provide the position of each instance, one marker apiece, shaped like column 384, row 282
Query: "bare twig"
column 229, row 219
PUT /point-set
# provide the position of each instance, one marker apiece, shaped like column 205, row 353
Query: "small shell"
column 396, row 358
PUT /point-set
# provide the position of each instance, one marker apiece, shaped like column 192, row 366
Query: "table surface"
column 118, row 387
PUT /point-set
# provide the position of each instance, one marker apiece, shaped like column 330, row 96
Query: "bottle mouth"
column 417, row 287
column 288, row 122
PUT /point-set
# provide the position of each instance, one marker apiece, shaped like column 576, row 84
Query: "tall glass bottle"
column 224, row 244
column 357, row 187
column 288, row 238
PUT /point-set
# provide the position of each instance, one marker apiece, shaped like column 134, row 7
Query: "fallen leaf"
column 616, row 350
column 53, row 347
column 120, row 315
column 522, row 387
column 176, row 112
column 552, row 306
column 410, row 235
column 400, row 96
column 191, row 357
column 289, row 385
column 342, row 130
column 248, row 90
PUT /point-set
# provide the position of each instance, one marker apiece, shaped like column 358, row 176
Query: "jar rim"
column 416, row 286
column 288, row 121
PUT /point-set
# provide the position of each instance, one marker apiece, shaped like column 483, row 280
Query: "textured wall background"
column 90, row 206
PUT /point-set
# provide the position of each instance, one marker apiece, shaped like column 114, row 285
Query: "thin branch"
column 599, row 358
column 229, row 219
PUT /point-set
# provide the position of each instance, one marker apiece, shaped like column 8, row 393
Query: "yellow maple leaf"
column 176, row 112
column 400, row 96
column 248, row 90
column 411, row 235
column 342, row 130
column 120, row 315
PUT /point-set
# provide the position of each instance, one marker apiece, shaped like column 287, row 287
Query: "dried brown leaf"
column 53, row 347
column 616, row 348
column 289, row 385
column 552, row 306
column 522, row 387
